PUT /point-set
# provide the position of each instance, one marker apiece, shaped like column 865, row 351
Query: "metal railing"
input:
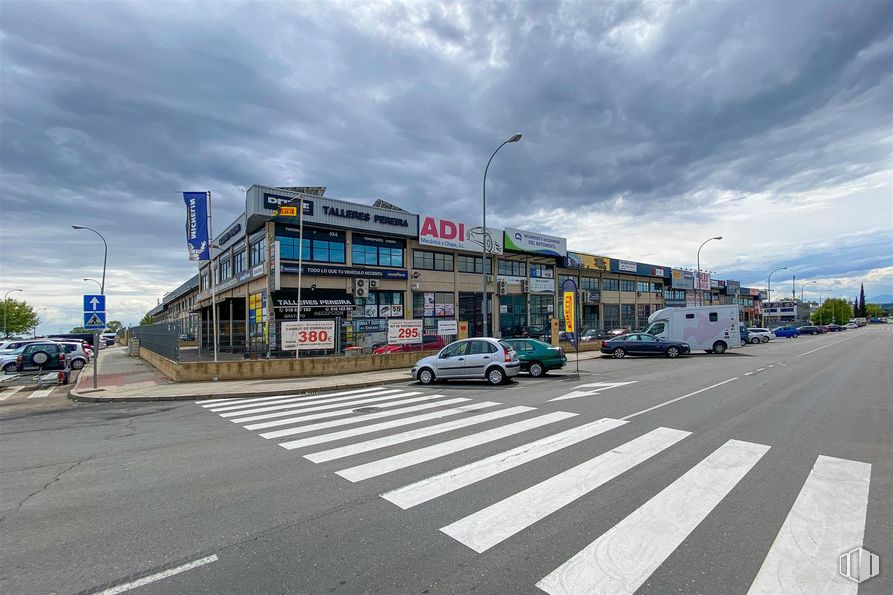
column 162, row 338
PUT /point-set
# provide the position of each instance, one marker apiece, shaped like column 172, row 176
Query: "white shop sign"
column 308, row 334
column 447, row 327
column 404, row 332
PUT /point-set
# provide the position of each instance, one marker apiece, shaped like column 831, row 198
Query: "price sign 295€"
column 403, row 332
column 309, row 334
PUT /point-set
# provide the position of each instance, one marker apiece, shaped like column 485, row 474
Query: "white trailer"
column 711, row 328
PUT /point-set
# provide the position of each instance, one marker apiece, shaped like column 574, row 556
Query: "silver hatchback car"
column 479, row 358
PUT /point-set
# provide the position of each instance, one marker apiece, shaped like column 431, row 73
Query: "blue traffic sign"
column 94, row 320
column 94, row 303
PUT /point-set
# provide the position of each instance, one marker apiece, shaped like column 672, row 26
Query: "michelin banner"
column 197, row 240
column 535, row 243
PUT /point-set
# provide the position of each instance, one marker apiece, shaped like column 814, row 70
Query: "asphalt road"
column 753, row 470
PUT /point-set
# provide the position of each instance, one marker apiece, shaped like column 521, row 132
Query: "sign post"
column 94, row 319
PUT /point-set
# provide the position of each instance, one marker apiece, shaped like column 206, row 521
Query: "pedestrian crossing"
column 34, row 392
column 393, row 429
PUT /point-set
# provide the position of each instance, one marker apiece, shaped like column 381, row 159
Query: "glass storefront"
column 470, row 310
column 512, row 311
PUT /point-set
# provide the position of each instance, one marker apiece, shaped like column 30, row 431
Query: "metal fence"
column 162, row 338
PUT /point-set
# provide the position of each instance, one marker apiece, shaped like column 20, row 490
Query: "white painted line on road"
column 157, row 577
column 623, row 558
column 748, row 373
column 382, row 466
column 385, row 441
column 817, row 349
column 492, row 525
column 41, row 393
column 697, row 392
column 322, row 415
column 294, row 408
column 828, row 515
column 10, row 392
column 385, row 425
column 306, row 401
column 323, row 425
column 591, row 389
column 454, row 479
column 250, row 400
column 770, row 365
column 760, row 369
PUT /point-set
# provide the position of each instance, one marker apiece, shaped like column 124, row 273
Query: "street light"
column 5, row 329
column 769, row 287
column 514, row 138
column 95, row 281
column 701, row 294
column 804, row 285
column 821, row 293
column 105, row 256
column 34, row 331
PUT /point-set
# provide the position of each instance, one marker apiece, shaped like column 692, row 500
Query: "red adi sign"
column 445, row 233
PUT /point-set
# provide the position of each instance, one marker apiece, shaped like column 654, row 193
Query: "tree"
column 836, row 310
column 874, row 311
column 20, row 317
column 147, row 319
column 113, row 326
column 79, row 329
column 861, row 308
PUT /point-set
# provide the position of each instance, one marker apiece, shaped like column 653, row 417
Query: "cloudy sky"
column 648, row 127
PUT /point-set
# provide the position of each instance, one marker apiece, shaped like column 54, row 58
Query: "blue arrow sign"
column 94, row 303
column 94, row 320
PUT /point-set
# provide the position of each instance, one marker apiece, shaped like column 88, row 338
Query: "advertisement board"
column 404, row 332
column 627, row 266
column 703, row 281
column 444, row 233
column 683, row 279
column 569, row 302
column 447, row 327
column 308, row 334
column 534, row 243
column 577, row 260
column 537, row 285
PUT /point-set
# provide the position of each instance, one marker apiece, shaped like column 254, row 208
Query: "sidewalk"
column 123, row 378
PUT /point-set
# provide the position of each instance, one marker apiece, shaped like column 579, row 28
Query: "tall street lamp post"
column 98, row 284
column 769, row 287
column 5, row 297
column 105, row 260
column 701, row 292
column 803, row 286
column 484, row 236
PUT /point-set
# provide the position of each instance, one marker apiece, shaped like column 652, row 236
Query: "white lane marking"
column 291, row 409
column 323, row 415
column 818, row 349
column 658, row 406
column 827, row 516
column 385, row 441
column 386, row 465
column 251, row 400
column 353, row 419
column 454, row 479
column 748, row 373
column 385, row 425
column 158, row 576
column 771, row 365
column 43, row 392
column 306, row 400
column 492, row 525
column 593, row 388
column 623, row 558
column 10, row 392
column 760, row 369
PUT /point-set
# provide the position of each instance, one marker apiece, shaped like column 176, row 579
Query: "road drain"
column 367, row 410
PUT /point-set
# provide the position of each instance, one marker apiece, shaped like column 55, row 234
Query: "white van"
column 711, row 328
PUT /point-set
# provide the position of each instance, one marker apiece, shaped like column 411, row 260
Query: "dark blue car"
column 643, row 344
column 791, row 332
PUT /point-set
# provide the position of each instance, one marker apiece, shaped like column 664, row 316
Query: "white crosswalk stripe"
column 10, row 392
column 485, row 528
column 623, row 558
column 226, row 402
column 290, row 408
column 41, row 393
column 312, row 400
column 829, row 513
column 454, row 479
column 385, row 425
column 386, row 465
column 378, row 443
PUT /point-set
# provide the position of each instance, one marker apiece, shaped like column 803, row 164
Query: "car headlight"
column 686, row 345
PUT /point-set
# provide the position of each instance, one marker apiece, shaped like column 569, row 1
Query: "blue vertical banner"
column 197, row 241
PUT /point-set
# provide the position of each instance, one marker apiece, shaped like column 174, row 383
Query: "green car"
column 537, row 357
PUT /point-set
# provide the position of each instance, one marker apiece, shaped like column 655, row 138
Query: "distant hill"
column 880, row 299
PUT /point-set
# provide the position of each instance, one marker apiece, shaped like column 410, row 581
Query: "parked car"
column 429, row 343
column 522, row 331
column 835, row 328
column 562, row 336
column 809, row 330
column 108, row 338
column 790, row 332
column 760, row 335
column 616, row 332
column 8, row 361
column 851, row 325
column 78, row 355
column 643, row 344
column 40, row 356
column 592, row 335
column 537, row 357
column 10, row 346
column 479, row 358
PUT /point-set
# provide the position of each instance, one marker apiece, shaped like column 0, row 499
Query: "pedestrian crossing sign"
column 94, row 320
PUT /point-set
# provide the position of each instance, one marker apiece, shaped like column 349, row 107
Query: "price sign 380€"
column 310, row 334
column 404, row 332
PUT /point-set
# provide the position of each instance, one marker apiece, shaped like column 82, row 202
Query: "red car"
column 429, row 343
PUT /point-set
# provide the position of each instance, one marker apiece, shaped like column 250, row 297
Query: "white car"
column 481, row 358
column 79, row 355
column 851, row 325
column 759, row 335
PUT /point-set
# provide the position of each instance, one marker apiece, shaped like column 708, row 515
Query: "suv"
column 791, row 332
column 478, row 358
column 760, row 335
column 809, row 330
column 40, row 356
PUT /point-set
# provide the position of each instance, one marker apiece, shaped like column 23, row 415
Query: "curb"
column 79, row 396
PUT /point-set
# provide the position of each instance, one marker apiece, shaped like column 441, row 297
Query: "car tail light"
column 508, row 354
column 19, row 359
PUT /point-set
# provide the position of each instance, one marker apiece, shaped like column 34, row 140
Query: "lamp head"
column 717, row 238
column 515, row 137
column 77, row 227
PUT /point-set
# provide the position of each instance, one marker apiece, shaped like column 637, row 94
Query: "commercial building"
column 787, row 312
column 178, row 306
column 362, row 265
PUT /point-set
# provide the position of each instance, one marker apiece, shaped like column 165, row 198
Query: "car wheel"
column 719, row 347
column 673, row 352
column 495, row 376
column 619, row 353
column 795, row 335
column 765, row 339
column 9, row 368
column 426, row 376
column 755, row 340
column 536, row 369
column 77, row 364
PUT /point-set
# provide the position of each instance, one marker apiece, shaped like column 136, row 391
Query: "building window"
column 643, row 286
column 612, row 316
column 319, row 246
column 627, row 285
column 628, row 315
column 543, row 271
column 434, row 303
column 589, row 283
column 512, row 268
column 512, row 312
column 205, row 280
column 258, row 252
column 238, row 262
column 380, row 304
column 432, row 261
column 470, row 264
column 610, row 285
column 541, row 310
column 226, row 270
column 374, row 251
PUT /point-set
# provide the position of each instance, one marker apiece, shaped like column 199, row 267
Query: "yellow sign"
column 463, row 329
column 569, row 313
column 287, row 212
column 578, row 260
